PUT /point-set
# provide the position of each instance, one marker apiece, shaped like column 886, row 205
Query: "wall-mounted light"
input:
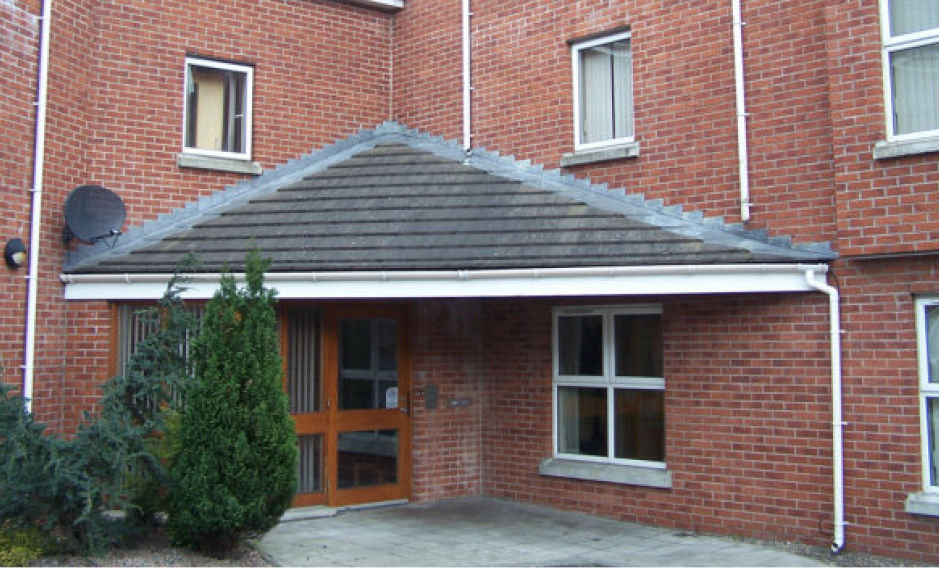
column 15, row 253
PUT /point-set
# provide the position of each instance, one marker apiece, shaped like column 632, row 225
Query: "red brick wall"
column 748, row 414
column 115, row 119
column 19, row 27
column 446, row 442
column 882, row 437
column 684, row 93
column 747, row 417
column 321, row 74
column 427, row 68
column 884, row 206
column 748, row 432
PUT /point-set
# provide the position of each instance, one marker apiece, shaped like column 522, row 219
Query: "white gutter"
column 838, row 424
column 742, row 151
column 531, row 282
column 467, row 80
column 35, row 223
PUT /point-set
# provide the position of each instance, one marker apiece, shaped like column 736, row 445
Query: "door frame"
column 330, row 420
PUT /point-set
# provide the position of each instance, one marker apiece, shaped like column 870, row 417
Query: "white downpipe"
column 467, row 80
column 837, row 421
column 35, row 224
column 742, row 151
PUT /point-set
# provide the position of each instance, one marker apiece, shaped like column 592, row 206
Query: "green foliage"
column 19, row 546
column 65, row 486
column 148, row 487
column 235, row 473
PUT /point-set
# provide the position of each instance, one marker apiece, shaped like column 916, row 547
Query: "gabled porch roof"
column 394, row 213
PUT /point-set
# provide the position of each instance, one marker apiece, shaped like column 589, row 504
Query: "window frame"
column 608, row 380
column 894, row 44
column 927, row 390
column 577, row 46
column 248, row 126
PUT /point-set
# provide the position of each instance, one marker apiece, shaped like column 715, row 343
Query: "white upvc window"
column 609, row 389
column 927, row 331
column 603, row 92
column 217, row 117
column 910, row 30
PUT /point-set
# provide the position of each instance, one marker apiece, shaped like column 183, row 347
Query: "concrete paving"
column 491, row 532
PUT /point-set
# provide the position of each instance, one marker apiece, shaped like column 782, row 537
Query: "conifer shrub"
column 235, row 471
column 66, row 488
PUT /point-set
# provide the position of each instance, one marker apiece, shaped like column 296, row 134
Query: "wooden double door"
column 347, row 376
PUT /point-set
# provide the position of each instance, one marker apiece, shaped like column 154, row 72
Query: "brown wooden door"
column 355, row 438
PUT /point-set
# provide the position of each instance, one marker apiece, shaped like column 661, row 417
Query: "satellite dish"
column 93, row 213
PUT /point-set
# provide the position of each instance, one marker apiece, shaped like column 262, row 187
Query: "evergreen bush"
column 235, row 471
column 65, row 487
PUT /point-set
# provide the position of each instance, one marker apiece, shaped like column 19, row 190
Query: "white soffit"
column 572, row 282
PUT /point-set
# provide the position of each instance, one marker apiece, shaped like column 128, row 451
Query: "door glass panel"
column 310, row 472
column 368, row 458
column 304, row 386
column 368, row 355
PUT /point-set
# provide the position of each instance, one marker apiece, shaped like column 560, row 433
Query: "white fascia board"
column 571, row 282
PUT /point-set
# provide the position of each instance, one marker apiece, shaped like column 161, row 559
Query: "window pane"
column 909, row 16
column 580, row 345
column 638, row 346
column 234, row 112
column 915, row 75
column 640, row 425
column 622, row 89
column 216, row 100
column 368, row 458
column 582, row 421
column 932, row 342
column 606, row 92
column 932, row 432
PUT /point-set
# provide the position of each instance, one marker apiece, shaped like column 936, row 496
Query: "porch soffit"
column 398, row 207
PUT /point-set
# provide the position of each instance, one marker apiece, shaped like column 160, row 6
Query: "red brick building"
column 654, row 344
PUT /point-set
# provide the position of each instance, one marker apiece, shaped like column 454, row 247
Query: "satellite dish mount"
column 92, row 214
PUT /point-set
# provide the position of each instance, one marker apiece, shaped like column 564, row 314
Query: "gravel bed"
column 156, row 550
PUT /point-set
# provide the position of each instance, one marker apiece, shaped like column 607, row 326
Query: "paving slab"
column 483, row 531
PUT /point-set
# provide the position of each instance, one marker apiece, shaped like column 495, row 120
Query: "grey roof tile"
column 396, row 199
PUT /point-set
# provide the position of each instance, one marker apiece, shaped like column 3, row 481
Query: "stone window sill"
column 923, row 504
column 885, row 150
column 583, row 157
column 218, row 164
column 609, row 473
